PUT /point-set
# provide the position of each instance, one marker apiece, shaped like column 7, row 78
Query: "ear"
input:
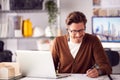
column 66, row 29
column 85, row 27
column 68, row 37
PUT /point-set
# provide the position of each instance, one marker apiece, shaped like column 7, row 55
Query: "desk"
column 77, row 77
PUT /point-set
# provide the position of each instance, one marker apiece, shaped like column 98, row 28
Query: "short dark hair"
column 76, row 17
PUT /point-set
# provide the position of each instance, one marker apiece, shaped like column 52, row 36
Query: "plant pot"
column 51, row 31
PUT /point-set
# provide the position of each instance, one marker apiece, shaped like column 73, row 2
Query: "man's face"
column 76, row 32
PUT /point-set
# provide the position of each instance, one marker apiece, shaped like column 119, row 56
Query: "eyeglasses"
column 76, row 31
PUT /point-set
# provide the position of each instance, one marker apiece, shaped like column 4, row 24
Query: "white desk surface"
column 77, row 77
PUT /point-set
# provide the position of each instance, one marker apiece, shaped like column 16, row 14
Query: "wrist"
column 99, row 72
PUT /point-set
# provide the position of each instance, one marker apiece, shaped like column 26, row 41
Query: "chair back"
column 113, row 56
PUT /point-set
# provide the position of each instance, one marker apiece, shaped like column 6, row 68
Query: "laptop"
column 38, row 64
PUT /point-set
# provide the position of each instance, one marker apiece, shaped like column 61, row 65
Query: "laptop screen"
column 36, row 63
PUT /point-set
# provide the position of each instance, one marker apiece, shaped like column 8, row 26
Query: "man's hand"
column 93, row 73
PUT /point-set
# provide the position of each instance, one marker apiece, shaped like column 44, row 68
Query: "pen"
column 110, row 77
column 94, row 66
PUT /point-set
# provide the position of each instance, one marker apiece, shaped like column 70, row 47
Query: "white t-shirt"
column 74, row 47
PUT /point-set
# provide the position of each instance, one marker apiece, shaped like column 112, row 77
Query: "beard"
column 77, row 39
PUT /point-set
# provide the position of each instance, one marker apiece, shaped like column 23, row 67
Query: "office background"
column 66, row 6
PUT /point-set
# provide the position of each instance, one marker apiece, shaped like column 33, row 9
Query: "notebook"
column 37, row 64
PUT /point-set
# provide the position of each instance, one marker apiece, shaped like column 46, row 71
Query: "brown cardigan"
column 90, row 52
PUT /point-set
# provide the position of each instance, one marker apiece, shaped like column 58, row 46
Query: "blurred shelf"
column 22, row 11
column 41, row 37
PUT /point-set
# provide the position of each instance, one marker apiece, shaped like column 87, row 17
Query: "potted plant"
column 52, row 11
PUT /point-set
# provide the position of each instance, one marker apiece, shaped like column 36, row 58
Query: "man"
column 78, row 52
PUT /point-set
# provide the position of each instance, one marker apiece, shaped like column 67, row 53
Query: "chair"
column 113, row 56
column 1, row 45
column 5, row 55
